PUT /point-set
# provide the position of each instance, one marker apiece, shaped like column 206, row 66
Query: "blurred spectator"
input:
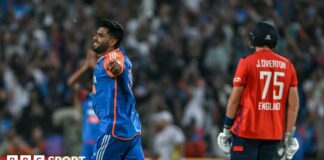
column 217, row 48
column 34, row 116
column 194, row 108
column 16, row 145
column 168, row 141
column 37, row 141
column 212, row 130
column 194, row 145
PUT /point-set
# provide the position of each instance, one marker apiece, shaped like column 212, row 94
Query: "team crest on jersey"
column 237, row 79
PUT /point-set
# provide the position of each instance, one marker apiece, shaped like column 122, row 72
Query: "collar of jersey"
column 263, row 50
column 115, row 50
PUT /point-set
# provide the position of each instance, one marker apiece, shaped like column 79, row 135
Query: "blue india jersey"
column 113, row 99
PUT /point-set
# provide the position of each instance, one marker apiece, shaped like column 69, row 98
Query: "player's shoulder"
column 281, row 57
column 117, row 51
column 120, row 51
column 246, row 59
column 270, row 55
column 243, row 58
column 116, row 54
column 285, row 59
column 254, row 55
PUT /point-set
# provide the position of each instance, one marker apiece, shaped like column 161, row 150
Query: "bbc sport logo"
column 42, row 157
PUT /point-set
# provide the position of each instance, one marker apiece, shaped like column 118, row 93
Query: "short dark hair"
column 115, row 29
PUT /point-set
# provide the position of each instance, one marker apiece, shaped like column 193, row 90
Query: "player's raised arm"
column 114, row 63
column 115, row 66
column 90, row 62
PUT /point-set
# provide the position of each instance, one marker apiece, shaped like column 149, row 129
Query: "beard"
column 99, row 48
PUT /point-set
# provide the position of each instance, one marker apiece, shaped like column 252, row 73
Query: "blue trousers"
column 87, row 150
column 111, row 148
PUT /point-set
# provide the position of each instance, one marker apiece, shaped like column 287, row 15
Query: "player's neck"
column 261, row 48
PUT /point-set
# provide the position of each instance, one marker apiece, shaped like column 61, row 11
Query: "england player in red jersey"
column 257, row 118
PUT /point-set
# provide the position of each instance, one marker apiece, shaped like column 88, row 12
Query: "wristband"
column 228, row 122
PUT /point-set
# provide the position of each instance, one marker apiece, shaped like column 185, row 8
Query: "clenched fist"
column 115, row 67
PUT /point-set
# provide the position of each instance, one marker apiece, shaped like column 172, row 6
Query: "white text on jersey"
column 271, row 64
column 269, row 106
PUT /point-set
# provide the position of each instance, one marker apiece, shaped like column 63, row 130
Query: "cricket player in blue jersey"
column 90, row 128
column 90, row 121
column 113, row 99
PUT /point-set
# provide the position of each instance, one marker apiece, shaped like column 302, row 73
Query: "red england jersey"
column 266, row 77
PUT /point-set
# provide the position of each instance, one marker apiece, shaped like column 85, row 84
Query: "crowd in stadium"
column 184, row 56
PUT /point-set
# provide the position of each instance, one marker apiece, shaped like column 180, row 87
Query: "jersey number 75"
column 267, row 75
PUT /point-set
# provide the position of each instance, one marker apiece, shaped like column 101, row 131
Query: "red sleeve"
column 294, row 80
column 117, row 56
column 240, row 75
